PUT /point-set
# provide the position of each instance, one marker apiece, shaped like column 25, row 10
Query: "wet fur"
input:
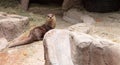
column 37, row 33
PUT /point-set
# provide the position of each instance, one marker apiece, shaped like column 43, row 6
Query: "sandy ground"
column 107, row 26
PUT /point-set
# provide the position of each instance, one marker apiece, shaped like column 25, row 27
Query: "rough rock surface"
column 80, row 27
column 12, row 25
column 67, row 4
column 63, row 47
column 74, row 16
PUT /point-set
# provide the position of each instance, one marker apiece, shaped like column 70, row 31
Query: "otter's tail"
column 21, row 42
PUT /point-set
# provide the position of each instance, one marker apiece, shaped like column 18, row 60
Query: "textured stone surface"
column 63, row 47
column 12, row 25
column 57, row 51
column 67, row 4
column 81, row 27
column 74, row 16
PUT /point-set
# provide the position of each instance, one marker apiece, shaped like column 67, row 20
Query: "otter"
column 37, row 33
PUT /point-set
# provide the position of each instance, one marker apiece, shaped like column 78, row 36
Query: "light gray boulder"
column 63, row 47
column 12, row 25
column 76, row 16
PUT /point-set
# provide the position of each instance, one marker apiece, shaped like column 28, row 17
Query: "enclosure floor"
column 106, row 26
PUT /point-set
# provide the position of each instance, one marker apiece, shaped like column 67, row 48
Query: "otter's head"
column 51, row 17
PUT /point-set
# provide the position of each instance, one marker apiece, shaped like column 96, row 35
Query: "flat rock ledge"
column 12, row 25
column 63, row 47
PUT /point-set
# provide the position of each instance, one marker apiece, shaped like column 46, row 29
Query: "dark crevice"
column 47, row 2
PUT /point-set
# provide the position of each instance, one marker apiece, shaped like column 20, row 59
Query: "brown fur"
column 37, row 33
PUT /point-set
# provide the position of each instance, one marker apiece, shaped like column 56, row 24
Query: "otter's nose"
column 50, row 17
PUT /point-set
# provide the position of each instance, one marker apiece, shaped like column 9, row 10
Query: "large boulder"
column 12, row 25
column 57, row 51
column 63, row 47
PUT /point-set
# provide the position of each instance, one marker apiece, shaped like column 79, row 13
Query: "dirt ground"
column 107, row 26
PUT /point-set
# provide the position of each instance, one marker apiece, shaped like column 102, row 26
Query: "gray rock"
column 75, row 16
column 63, row 47
column 80, row 28
column 67, row 4
column 12, row 25
column 88, row 20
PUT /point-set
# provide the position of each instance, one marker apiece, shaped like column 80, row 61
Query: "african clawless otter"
column 38, row 32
